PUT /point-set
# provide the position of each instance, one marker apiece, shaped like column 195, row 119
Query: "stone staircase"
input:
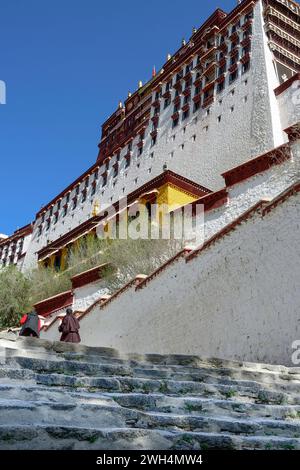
column 62, row 396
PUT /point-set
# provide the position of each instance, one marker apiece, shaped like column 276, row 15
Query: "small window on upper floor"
column 167, row 102
column 185, row 115
column 197, row 106
column 175, row 122
column 232, row 77
column 74, row 203
column 169, row 86
column 246, row 67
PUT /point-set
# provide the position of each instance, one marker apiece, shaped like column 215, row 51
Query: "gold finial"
column 140, row 84
column 129, row 94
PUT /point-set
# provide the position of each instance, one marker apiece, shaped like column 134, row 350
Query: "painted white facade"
column 13, row 249
column 289, row 105
column 85, row 296
column 244, row 121
column 239, row 299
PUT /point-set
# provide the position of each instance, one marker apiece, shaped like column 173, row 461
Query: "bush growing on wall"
column 14, row 296
column 126, row 259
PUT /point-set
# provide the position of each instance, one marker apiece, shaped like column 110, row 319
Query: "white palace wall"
column 199, row 148
column 238, row 299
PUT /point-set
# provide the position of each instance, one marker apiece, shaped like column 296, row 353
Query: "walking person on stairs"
column 31, row 325
column 69, row 328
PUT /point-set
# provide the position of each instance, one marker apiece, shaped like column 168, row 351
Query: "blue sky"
column 66, row 65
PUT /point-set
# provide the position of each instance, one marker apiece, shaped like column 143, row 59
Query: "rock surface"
column 61, row 396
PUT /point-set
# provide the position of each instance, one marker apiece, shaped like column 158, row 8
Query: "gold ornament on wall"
column 96, row 208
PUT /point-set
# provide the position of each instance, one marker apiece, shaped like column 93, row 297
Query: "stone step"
column 72, row 351
column 76, row 438
column 75, row 363
column 152, row 402
column 109, row 370
column 65, row 396
column 189, row 405
column 113, row 415
column 255, row 393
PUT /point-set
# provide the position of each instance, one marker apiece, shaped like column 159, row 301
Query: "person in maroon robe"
column 69, row 328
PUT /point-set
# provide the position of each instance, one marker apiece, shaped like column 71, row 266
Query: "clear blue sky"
column 66, row 64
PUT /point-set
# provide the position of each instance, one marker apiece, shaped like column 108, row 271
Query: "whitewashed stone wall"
column 289, row 105
column 200, row 148
column 228, row 299
column 87, row 295
column 237, row 300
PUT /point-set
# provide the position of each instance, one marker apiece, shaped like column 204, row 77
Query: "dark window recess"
column 233, row 76
column 167, row 103
column 246, row 67
column 220, row 87
column 196, row 106
column 185, row 115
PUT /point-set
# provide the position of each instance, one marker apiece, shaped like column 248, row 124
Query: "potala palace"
column 217, row 125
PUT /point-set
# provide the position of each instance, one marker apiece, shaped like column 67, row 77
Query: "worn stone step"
column 86, row 369
column 152, row 402
column 95, row 354
column 76, row 438
column 255, row 393
column 130, row 368
column 107, row 416
column 196, row 405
